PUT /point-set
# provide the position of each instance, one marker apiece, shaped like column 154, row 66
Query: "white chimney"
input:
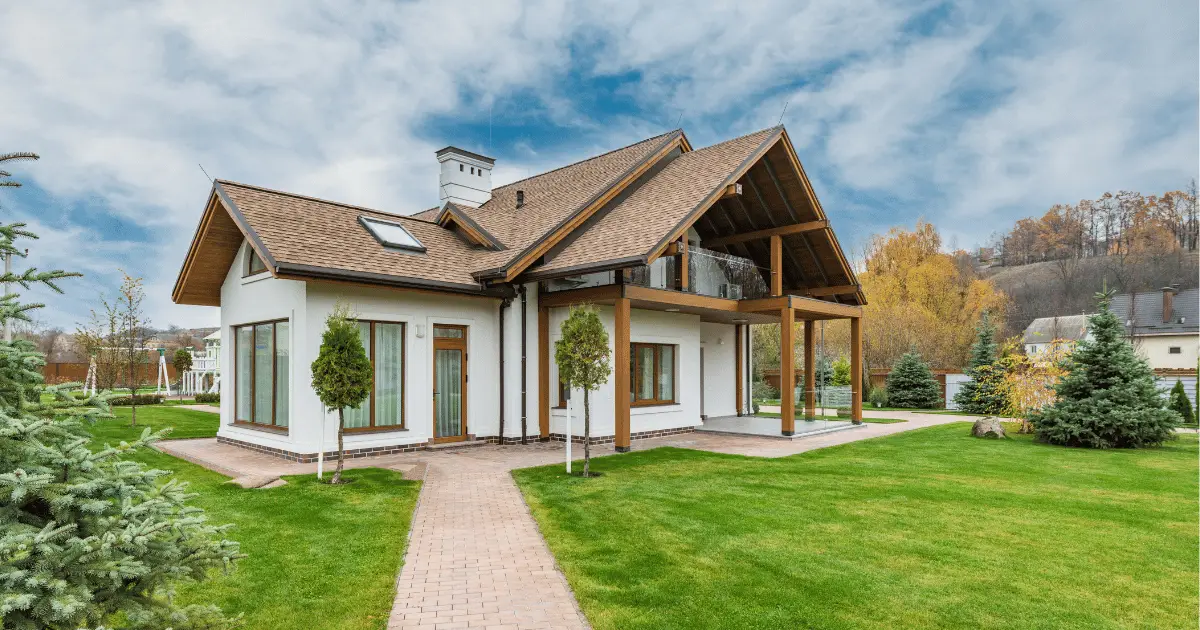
column 466, row 177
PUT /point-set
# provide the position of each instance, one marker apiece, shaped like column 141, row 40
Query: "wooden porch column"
column 856, row 370
column 683, row 264
column 810, row 364
column 737, row 362
column 776, row 264
column 621, row 373
column 787, row 370
column 543, row 373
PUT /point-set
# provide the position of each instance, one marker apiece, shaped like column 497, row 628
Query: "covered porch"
column 624, row 297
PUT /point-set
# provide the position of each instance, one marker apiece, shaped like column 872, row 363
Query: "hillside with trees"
column 1126, row 242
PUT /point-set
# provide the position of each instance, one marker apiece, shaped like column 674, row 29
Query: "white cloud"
column 124, row 100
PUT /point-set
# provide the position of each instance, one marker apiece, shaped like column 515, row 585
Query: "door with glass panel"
column 449, row 383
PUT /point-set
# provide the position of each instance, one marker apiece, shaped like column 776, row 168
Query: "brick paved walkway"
column 475, row 558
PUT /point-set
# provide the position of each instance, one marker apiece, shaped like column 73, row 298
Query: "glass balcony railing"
column 710, row 273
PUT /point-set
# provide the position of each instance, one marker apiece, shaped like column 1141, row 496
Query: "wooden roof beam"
column 767, row 233
column 841, row 289
column 792, row 213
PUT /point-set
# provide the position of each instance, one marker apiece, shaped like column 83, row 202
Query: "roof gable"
column 693, row 192
column 558, row 201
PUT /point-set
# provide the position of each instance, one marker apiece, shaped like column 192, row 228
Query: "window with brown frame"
column 261, row 374
column 562, row 395
column 652, row 374
column 254, row 264
column 384, row 407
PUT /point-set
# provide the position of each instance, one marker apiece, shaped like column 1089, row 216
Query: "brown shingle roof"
column 636, row 225
column 314, row 233
column 555, row 196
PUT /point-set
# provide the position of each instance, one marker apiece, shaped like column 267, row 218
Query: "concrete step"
column 455, row 446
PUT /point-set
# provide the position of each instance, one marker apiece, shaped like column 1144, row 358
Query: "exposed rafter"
column 767, row 233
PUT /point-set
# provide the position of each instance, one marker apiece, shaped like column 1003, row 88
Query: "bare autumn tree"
column 131, row 336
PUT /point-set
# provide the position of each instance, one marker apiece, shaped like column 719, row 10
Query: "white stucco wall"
column 678, row 329
column 419, row 312
column 1157, row 350
column 255, row 299
column 305, row 306
column 720, row 369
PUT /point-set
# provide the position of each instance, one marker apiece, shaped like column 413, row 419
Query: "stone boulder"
column 988, row 427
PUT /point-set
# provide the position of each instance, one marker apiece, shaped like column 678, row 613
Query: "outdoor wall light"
column 419, row 330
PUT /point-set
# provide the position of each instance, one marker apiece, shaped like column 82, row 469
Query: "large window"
column 652, row 374
column 261, row 384
column 384, row 408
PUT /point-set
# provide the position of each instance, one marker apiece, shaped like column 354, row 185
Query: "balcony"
column 710, row 273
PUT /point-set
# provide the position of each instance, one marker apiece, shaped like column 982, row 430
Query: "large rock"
column 988, row 427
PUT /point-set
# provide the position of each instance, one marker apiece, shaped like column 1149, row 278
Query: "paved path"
column 475, row 556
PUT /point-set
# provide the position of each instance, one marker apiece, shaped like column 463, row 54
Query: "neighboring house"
column 1164, row 326
column 1044, row 331
column 205, row 375
column 459, row 306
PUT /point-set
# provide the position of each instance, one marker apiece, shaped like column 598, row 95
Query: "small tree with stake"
column 182, row 362
column 582, row 356
column 341, row 375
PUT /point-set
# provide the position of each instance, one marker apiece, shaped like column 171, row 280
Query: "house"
column 680, row 249
column 1042, row 332
column 1164, row 326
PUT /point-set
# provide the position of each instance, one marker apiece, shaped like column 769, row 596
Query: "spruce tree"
column 983, row 393
column 88, row 538
column 1108, row 397
column 1179, row 402
column 911, row 384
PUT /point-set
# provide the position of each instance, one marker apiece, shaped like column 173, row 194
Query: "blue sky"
column 968, row 114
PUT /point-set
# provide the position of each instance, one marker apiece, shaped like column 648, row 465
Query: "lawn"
column 318, row 556
column 184, row 423
column 924, row 529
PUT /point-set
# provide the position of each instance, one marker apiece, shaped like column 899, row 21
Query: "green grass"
column 318, row 556
column 184, row 423
column 767, row 414
column 924, row 529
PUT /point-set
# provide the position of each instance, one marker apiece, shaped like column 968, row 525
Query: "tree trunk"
column 587, row 434
column 337, row 474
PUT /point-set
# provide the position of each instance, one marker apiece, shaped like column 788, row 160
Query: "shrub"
column 911, row 385
column 1179, row 403
column 762, row 390
column 878, row 396
column 841, row 372
column 843, row 412
column 1108, row 397
column 208, row 398
column 140, row 399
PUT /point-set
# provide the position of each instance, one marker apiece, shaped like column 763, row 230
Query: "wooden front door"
column 449, row 383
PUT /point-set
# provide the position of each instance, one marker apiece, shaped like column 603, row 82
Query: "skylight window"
column 391, row 234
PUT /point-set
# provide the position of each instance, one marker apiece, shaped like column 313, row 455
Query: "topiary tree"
column 1108, row 398
column 341, row 374
column 88, row 538
column 1179, row 403
column 984, row 393
column 582, row 357
column 911, row 384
